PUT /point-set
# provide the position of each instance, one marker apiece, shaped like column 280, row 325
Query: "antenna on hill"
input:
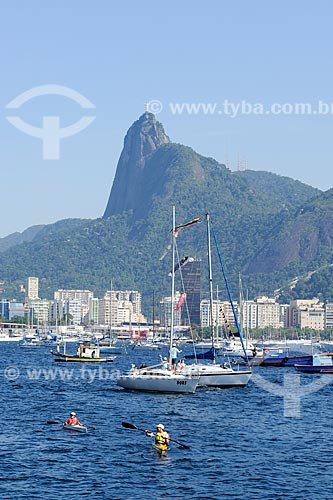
column 147, row 107
column 241, row 163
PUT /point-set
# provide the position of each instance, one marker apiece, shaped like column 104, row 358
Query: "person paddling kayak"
column 73, row 420
column 162, row 438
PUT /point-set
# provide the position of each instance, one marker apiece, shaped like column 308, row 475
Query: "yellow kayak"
column 161, row 449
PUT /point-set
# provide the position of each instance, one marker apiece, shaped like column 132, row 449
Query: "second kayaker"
column 73, row 420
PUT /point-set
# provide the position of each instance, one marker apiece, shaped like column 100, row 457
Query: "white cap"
column 73, row 414
column 161, row 426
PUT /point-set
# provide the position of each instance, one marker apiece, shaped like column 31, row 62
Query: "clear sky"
column 232, row 55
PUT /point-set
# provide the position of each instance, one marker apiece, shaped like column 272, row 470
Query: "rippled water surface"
column 242, row 445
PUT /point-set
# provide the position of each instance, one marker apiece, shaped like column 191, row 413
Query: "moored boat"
column 213, row 374
column 304, row 359
column 224, row 376
column 157, row 379
column 281, row 357
column 162, row 378
column 88, row 353
column 273, row 357
column 322, row 363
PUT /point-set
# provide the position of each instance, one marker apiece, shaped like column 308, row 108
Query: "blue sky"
column 120, row 55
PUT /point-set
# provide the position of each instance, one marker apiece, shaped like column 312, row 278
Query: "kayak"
column 160, row 451
column 76, row 428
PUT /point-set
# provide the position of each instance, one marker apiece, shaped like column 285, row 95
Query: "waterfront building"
column 222, row 314
column 307, row 313
column 123, row 297
column 264, row 312
column 84, row 296
column 93, row 311
column 329, row 315
column 16, row 309
column 55, row 311
column 72, row 311
column 268, row 312
column 118, row 307
column 39, row 310
column 165, row 311
column 4, row 309
column 249, row 317
column 284, row 315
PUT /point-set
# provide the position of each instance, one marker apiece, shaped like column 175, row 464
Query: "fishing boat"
column 281, row 357
column 226, row 374
column 160, row 378
column 75, row 428
column 322, row 363
column 85, row 353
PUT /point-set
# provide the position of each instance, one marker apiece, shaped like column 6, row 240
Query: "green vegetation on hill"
column 269, row 228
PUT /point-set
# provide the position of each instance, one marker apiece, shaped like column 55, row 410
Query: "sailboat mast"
column 230, row 297
column 153, row 315
column 172, row 280
column 210, row 280
column 110, row 336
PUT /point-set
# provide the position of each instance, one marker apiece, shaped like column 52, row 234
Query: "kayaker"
column 162, row 438
column 73, row 420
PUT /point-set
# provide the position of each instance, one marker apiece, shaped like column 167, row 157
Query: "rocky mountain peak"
column 144, row 137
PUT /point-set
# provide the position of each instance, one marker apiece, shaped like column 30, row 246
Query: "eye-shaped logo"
column 50, row 132
column 291, row 391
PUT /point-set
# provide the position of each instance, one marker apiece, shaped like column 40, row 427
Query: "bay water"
column 268, row 440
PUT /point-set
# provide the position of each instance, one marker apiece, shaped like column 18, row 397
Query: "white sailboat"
column 214, row 374
column 161, row 378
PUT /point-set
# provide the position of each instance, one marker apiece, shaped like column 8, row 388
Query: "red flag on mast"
column 181, row 301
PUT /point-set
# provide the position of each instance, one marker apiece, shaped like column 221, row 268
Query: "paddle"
column 127, row 425
column 57, row 422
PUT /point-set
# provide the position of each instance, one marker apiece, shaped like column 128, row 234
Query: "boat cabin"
column 88, row 351
column 322, row 360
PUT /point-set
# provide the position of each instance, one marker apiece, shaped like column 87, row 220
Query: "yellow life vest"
column 161, row 439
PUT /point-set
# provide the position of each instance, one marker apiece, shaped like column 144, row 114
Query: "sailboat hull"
column 220, row 376
column 158, row 381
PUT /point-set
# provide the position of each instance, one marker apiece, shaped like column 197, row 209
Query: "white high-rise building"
column 39, row 310
column 165, row 311
column 222, row 314
column 32, row 288
column 268, row 312
column 125, row 307
column 84, row 296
